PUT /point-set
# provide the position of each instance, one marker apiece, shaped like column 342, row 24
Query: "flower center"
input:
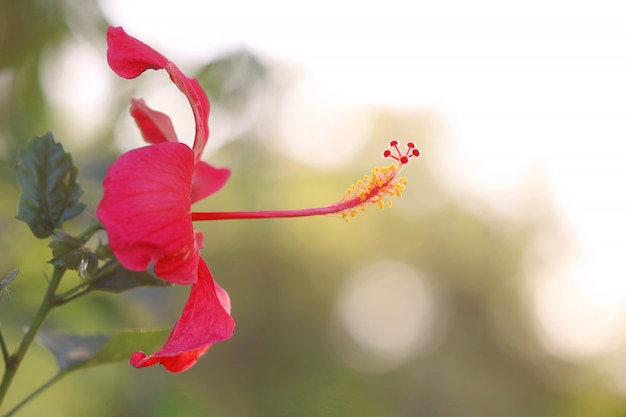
column 374, row 189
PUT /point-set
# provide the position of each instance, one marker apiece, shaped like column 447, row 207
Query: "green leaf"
column 73, row 352
column 69, row 350
column 67, row 250
column 118, row 279
column 50, row 191
column 125, row 343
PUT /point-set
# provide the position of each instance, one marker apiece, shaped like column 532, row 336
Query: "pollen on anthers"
column 382, row 183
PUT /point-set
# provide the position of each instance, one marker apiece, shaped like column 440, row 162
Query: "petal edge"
column 129, row 57
column 205, row 320
column 146, row 209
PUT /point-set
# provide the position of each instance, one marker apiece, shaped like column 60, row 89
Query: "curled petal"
column 156, row 127
column 205, row 320
column 199, row 103
column 146, row 210
column 207, row 180
column 129, row 57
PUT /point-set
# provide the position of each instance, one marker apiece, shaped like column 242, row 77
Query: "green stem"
column 47, row 304
column 50, row 300
column 5, row 349
column 80, row 289
column 35, row 393
column 64, row 300
column 86, row 234
column 84, row 287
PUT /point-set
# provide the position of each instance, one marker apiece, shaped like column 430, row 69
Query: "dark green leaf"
column 67, row 250
column 117, row 279
column 73, row 352
column 70, row 252
column 50, row 191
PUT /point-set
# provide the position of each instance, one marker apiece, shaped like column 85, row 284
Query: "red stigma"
column 402, row 157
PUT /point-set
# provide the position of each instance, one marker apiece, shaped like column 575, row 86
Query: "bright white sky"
column 524, row 86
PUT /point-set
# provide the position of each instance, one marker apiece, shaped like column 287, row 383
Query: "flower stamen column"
column 373, row 189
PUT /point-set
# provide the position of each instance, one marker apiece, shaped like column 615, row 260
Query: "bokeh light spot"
column 387, row 314
column 576, row 318
column 78, row 85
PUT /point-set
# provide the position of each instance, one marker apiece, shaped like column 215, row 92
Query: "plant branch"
column 47, row 304
column 35, row 393
column 85, row 286
column 67, row 298
column 5, row 350
column 86, row 234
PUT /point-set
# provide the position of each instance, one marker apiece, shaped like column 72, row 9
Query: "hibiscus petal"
column 146, row 210
column 199, row 102
column 207, row 180
column 129, row 57
column 156, row 127
column 205, row 320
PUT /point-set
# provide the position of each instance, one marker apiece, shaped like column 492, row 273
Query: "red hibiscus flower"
column 146, row 206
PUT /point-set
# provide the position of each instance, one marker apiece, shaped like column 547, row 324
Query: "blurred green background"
column 419, row 310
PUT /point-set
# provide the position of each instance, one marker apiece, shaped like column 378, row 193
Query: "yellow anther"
column 373, row 189
column 380, row 184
